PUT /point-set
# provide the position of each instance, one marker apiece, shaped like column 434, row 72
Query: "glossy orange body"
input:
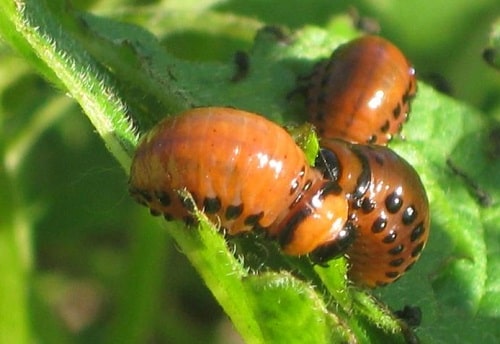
column 244, row 172
column 388, row 206
column 362, row 93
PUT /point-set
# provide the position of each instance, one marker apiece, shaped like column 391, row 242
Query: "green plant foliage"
column 492, row 53
column 68, row 230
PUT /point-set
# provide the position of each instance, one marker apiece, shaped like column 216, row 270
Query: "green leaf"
column 305, row 137
column 282, row 302
column 14, row 264
column 491, row 54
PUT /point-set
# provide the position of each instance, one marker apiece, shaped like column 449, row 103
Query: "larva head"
column 338, row 161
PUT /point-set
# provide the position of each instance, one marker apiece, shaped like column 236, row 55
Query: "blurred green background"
column 96, row 254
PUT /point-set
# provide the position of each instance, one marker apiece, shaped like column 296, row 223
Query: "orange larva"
column 245, row 173
column 362, row 93
column 388, row 206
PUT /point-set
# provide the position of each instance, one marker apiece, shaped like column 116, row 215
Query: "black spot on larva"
column 409, row 95
column 392, row 274
column 132, row 190
column 322, row 97
column 379, row 160
column 329, row 188
column 372, row 139
column 233, row 211
column 187, row 203
column 365, row 177
column 189, row 220
column 307, row 185
column 368, row 205
column 252, row 220
column 330, row 63
column 396, row 262
column 409, row 266
column 296, row 200
column 409, row 215
column 320, row 114
column 385, row 127
column 397, row 111
column 141, row 201
column 390, row 238
column 168, row 217
column 393, row 203
column 328, row 163
column 145, row 195
column 417, row 232
column 154, row 212
column 379, row 224
column 417, row 250
column 287, row 233
column 294, row 186
column 357, row 203
column 336, row 247
column 323, row 82
column 309, row 101
column 211, row 205
column 260, row 231
column 352, row 217
column 163, row 198
column 396, row 250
